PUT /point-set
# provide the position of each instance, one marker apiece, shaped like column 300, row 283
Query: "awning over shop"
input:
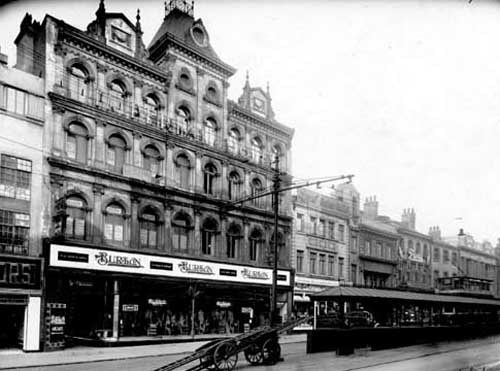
column 358, row 292
column 301, row 298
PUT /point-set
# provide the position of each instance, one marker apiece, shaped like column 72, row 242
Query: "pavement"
column 482, row 353
column 14, row 358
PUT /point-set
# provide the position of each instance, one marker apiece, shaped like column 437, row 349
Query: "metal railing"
column 144, row 115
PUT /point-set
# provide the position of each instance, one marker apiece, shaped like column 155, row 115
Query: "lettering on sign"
column 186, row 267
column 258, row 275
column 228, row 272
column 161, row 265
column 104, row 258
column 20, row 273
column 73, row 257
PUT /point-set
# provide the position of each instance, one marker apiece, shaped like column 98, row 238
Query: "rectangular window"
column 110, row 156
column 341, row 231
column 322, row 264
column 368, row 248
column 20, row 102
column 300, row 261
column 354, row 243
column 331, row 230
column 322, row 229
column 15, row 178
column 314, row 227
column 354, row 276
column 14, row 232
column 300, row 222
column 378, row 250
column 341, row 267
column 446, row 256
column 312, row 263
column 436, row 257
column 454, row 258
column 11, row 99
column 35, row 107
column 331, row 265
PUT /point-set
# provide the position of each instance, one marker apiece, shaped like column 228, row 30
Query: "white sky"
column 403, row 94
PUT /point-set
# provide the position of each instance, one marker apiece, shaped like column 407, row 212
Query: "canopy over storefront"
column 346, row 292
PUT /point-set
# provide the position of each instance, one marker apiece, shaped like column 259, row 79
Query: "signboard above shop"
column 124, row 262
column 20, row 273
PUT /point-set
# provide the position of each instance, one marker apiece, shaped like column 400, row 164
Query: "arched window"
column 76, row 217
column 79, row 82
column 256, row 146
column 255, row 244
column 210, row 173
column 256, row 189
column 208, row 236
column 114, row 223
column 115, row 152
column 234, row 140
column 76, row 145
column 418, row 249
column 183, row 170
column 149, row 226
column 209, row 130
column 117, row 96
column 152, row 107
column 278, row 152
column 233, row 238
column 183, row 118
column 185, row 80
column 181, row 230
column 212, row 94
column 151, row 159
column 410, row 248
column 234, row 185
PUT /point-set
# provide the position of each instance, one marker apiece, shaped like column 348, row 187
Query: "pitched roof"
column 177, row 24
column 350, row 292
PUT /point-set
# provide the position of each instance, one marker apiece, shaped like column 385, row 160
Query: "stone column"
column 116, row 310
column 58, row 133
column 97, row 224
column 196, row 245
column 198, row 173
column 135, row 240
column 220, row 248
column 245, row 244
column 170, row 166
column 223, row 182
column 136, row 159
column 99, row 144
column 167, row 230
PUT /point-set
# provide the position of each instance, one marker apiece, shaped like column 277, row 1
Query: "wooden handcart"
column 259, row 346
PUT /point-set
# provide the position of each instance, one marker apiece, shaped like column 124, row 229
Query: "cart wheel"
column 225, row 356
column 271, row 351
column 253, row 354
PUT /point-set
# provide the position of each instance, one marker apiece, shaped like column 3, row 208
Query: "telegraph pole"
column 276, row 189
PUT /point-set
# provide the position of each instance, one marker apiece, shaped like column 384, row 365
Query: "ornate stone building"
column 145, row 153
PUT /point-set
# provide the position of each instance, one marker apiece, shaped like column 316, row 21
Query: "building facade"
column 146, row 155
column 378, row 241
column 21, row 270
column 320, row 253
column 415, row 268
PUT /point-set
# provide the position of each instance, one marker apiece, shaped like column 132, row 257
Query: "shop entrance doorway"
column 11, row 325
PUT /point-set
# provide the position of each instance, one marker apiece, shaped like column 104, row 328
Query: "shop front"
column 20, row 302
column 111, row 295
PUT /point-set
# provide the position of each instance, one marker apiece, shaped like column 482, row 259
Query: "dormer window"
column 199, row 36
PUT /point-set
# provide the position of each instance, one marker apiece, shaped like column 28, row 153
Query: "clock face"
column 259, row 105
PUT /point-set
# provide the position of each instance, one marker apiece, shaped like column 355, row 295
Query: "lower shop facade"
column 20, row 302
column 110, row 295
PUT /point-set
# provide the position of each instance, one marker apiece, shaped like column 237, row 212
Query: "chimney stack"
column 435, row 232
column 408, row 218
column 370, row 208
